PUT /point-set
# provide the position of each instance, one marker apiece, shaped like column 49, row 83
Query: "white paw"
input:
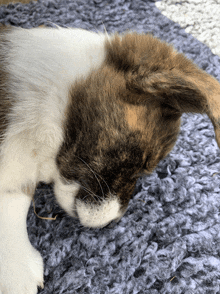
column 21, row 269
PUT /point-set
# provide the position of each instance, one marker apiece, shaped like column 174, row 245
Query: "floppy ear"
column 154, row 70
column 183, row 88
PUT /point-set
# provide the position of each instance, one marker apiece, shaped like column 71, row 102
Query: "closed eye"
column 143, row 171
column 140, row 174
column 149, row 156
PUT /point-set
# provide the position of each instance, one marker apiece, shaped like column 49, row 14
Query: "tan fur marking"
column 134, row 115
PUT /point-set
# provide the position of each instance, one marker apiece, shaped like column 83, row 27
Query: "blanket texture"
column 169, row 239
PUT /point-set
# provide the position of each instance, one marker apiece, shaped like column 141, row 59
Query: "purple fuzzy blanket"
column 169, row 239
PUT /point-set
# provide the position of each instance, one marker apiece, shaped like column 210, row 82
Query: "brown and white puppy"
column 88, row 112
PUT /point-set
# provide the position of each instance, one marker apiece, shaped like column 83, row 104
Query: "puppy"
column 87, row 112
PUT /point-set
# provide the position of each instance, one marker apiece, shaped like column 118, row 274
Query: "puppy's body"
column 87, row 112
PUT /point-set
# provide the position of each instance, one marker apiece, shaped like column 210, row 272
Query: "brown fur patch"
column 134, row 116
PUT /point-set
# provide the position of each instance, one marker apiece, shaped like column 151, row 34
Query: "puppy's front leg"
column 21, row 266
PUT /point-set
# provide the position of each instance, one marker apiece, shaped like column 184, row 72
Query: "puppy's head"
column 122, row 120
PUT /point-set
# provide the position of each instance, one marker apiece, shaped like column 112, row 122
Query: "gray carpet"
column 169, row 239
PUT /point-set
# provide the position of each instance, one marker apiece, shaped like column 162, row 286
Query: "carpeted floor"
column 169, row 239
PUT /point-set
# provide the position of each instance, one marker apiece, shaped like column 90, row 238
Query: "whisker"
column 93, row 173
column 97, row 175
column 104, row 182
column 70, row 192
column 91, row 194
column 86, row 188
column 54, row 157
column 105, row 29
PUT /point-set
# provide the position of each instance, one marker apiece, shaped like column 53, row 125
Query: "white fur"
column 98, row 216
column 43, row 63
column 21, row 266
column 65, row 195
